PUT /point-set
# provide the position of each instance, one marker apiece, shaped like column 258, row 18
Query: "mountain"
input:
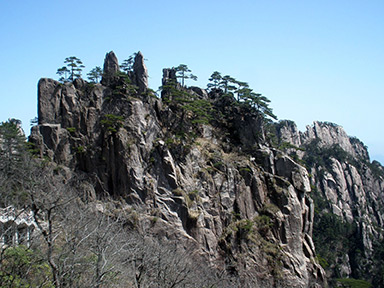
column 348, row 194
column 261, row 203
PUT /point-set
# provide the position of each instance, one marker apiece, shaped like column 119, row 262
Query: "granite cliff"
column 207, row 172
column 348, row 191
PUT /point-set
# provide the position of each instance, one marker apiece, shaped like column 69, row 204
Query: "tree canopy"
column 184, row 73
column 127, row 65
column 242, row 92
column 95, row 74
column 215, row 80
column 71, row 70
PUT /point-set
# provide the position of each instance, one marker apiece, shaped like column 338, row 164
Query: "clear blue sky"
column 315, row 60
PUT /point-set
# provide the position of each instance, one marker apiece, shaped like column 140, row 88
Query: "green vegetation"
column 72, row 70
column 226, row 84
column 323, row 263
column 80, row 149
column 333, row 239
column 251, row 102
column 352, row 283
column 123, row 86
column 127, row 65
column 244, row 227
column 284, row 146
column 245, row 170
column 189, row 197
column 71, row 130
column 184, row 73
column 63, row 72
column 112, row 123
column 259, row 102
column 377, row 169
column 24, row 267
column 191, row 111
column 255, row 233
column 215, row 81
column 13, row 156
column 322, row 156
column 201, row 110
column 317, row 156
column 264, row 224
column 95, row 74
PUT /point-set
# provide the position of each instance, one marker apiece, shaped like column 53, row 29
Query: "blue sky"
column 315, row 60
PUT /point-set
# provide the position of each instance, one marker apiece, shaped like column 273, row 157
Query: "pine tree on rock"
column 215, row 79
column 258, row 102
column 127, row 65
column 243, row 88
column 75, row 66
column 95, row 74
column 226, row 84
column 183, row 72
column 64, row 73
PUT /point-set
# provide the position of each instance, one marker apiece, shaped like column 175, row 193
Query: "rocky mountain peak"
column 348, row 191
column 249, row 205
column 326, row 134
column 170, row 160
column 287, row 131
column 169, row 75
column 111, row 67
column 140, row 72
column 330, row 134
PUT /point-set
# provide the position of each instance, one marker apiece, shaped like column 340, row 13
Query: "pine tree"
column 243, row 88
column 227, row 84
column 13, row 154
column 183, row 72
column 258, row 102
column 127, row 65
column 215, row 79
column 75, row 67
column 95, row 74
column 64, row 73
column 12, row 142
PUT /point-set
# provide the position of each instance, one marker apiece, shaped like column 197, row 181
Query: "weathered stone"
column 345, row 182
column 169, row 74
column 79, row 83
column 53, row 143
column 199, row 91
column 111, row 67
column 331, row 134
column 140, row 72
column 48, row 103
column 287, row 132
column 286, row 167
column 201, row 193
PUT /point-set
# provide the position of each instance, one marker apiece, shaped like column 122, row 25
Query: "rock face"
column 169, row 74
column 330, row 134
column 250, row 213
column 111, row 67
column 348, row 192
column 140, row 72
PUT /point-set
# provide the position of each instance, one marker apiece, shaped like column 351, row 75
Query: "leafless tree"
column 84, row 244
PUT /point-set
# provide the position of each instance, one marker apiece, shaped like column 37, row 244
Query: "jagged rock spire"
column 169, row 74
column 140, row 72
column 111, row 67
